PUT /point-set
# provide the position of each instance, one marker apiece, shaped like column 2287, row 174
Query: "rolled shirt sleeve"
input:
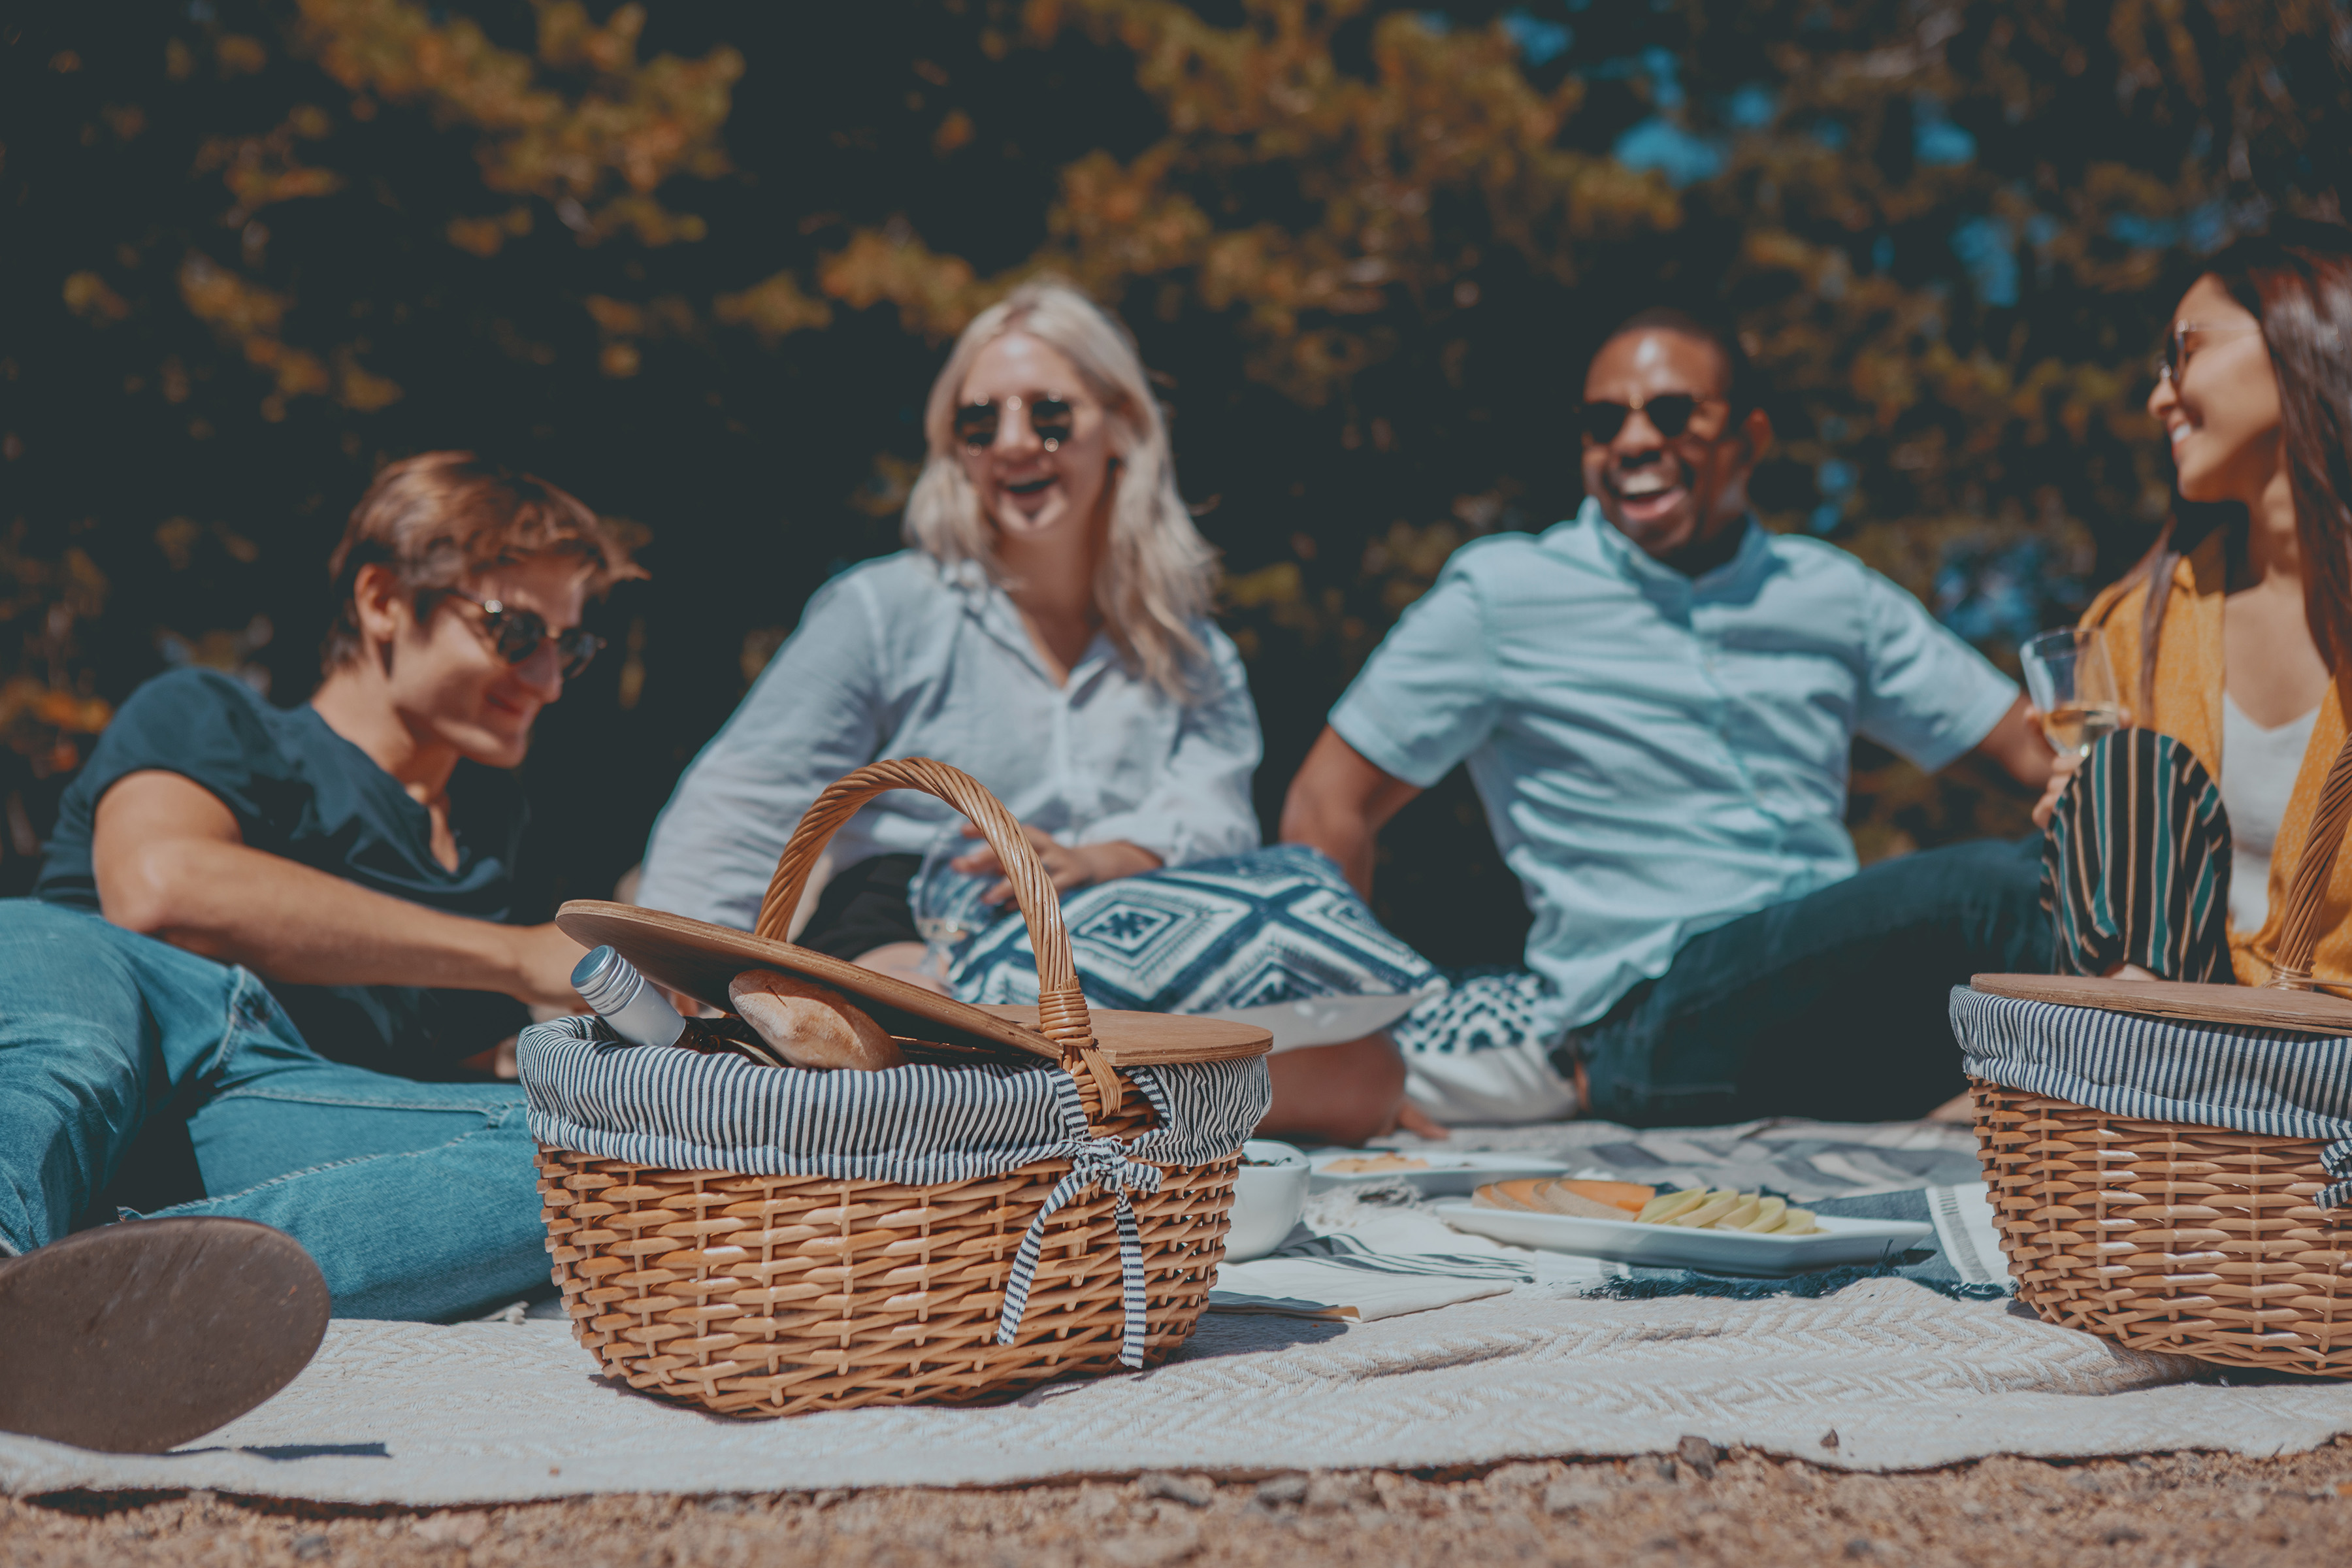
column 1426, row 698
column 814, row 714
column 1927, row 694
column 1200, row 808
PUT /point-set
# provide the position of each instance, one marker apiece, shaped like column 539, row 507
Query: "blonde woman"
column 1047, row 631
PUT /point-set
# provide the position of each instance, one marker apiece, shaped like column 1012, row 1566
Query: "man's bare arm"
column 2017, row 746
column 170, row 862
column 1338, row 803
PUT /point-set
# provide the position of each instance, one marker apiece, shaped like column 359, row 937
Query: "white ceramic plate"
column 1841, row 1241
column 1448, row 1175
column 1325, row 1020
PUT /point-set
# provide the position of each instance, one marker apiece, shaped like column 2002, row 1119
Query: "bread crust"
column 811, row 1026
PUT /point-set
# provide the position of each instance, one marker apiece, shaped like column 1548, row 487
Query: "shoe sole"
column 134, row 1338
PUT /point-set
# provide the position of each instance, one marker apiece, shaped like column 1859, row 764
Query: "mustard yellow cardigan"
column 2188, row 707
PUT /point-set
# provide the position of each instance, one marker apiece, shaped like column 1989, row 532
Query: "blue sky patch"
column 1660, row 143
column 1540, row 42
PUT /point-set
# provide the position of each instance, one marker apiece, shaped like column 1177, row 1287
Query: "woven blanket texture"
column 427, row 1417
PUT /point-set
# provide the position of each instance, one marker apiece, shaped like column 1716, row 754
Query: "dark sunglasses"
column 1051, row 417
column 518, row 635
column 2176, row 349
column 1669, row 414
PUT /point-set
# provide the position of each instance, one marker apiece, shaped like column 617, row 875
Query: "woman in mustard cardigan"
column 2170, row 851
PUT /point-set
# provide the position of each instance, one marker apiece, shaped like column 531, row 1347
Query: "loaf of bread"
column 811, row 1025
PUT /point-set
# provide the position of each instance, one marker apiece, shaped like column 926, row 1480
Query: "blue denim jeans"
column 1835, row 1006
column 418, row 1200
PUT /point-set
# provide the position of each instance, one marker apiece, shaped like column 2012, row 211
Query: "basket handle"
column 2313, row 870
column 1062, row 1016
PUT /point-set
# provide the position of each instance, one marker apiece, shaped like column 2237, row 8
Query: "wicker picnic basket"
column 2227, row 1237
column 779, row 1292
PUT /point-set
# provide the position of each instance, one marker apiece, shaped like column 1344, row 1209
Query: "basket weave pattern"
column 772, row 1295
column 2168, row 1236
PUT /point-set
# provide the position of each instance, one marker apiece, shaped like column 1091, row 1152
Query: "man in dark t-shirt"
column 299, row 791
column 246, row 909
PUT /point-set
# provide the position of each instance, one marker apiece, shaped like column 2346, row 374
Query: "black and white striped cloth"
column 2157, row 1069
column 593, row 1093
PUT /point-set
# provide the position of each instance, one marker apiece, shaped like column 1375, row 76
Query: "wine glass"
column 2071, row 678
column 947, row 904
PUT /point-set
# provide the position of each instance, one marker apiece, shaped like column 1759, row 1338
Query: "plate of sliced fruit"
column 1719, row 1231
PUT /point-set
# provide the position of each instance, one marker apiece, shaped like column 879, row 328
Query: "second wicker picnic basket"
column 2171, row 1164
column 1039, row 1193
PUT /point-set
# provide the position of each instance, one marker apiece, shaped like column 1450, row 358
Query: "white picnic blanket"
column 424, row 1416
column 1519, row 1363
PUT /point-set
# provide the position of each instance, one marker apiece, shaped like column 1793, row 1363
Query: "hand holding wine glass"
column 946, row 902
column 2072, row 682
column 1070, row 866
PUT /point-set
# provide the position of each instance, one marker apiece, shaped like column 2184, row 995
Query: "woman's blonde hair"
column 1156, row 575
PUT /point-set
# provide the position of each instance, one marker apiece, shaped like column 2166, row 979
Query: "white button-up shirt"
column 901, row 658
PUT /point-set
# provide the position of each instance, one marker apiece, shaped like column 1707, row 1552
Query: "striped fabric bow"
column 1095, row 1162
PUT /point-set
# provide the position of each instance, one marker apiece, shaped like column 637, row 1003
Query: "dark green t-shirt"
column 299, row 790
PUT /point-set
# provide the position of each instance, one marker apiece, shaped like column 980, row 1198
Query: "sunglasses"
column 1669, row 414
column 518, row 633
column 1051, row 417
column 2176, row 349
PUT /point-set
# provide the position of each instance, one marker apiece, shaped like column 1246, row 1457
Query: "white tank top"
column 2258, row 772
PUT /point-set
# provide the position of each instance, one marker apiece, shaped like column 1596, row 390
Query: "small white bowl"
column 1267, row 1199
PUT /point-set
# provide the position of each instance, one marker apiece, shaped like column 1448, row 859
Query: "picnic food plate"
column 1838, row 1242
column 1433, row 1176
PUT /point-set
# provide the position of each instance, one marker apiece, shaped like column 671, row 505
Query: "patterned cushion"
column 2159, row 1070
column 1262, row 937
column 1484, row 1008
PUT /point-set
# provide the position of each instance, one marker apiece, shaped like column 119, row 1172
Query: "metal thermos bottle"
column 637, row 1011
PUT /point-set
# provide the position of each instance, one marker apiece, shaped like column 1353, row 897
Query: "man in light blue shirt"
column 1656, row 700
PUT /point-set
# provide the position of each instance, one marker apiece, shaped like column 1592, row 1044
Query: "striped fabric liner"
column 2155, row 1069
column 2136, row 869
column 595, row 1094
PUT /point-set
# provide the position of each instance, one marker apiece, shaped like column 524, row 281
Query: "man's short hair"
column 437, row 518
column 1745, row 387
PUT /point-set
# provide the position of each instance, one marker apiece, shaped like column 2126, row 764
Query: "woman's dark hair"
column 2296, row 281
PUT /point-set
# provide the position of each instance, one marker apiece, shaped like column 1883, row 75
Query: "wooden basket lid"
column 2248, row 1006
column 697, row 959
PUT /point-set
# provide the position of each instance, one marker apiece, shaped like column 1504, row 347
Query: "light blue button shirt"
column 898, row 658
column 1659, row 754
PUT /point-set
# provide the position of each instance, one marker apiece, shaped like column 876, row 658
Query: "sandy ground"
column 1698, row 1507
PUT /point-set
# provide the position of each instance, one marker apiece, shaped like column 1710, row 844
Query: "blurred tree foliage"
column 698, row 263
